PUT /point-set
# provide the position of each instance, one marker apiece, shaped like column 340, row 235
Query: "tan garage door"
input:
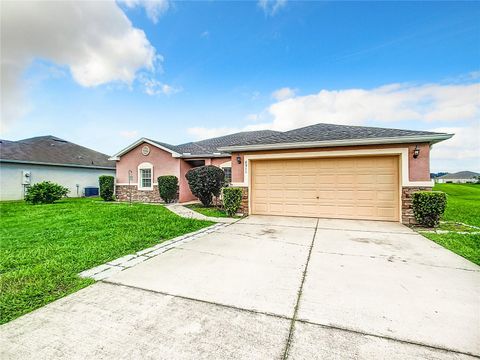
column 345, row 188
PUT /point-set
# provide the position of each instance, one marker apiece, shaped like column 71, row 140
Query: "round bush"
column 107, row 184
column 428, row 207
column 205, row 182
column 232, row 199
column 168, row 188
column 45, row 192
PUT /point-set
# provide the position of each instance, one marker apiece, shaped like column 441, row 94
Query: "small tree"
column 45, row 192
column 205, row 182
column 168, row 187
column 232, row 199
column 428, row 207
column 107, row 183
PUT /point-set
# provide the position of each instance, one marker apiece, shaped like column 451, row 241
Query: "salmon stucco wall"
column 184, row 189
column 185, row 193
column 162, row 161
column 419, row 168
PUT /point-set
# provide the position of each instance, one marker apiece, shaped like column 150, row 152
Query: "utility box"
column 26, row 177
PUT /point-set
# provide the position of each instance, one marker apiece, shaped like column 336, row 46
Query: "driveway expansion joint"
column 297, row 304
column 334, row 327
column 252, row 311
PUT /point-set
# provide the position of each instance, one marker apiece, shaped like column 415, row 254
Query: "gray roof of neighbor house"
column 460, row 175
column 337, row 135
column 50, row 150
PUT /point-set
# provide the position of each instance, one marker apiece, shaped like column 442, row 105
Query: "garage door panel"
column 351, row 188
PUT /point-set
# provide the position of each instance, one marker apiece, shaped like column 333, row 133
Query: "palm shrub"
column 428, row 207
column 232, row 199
column 168, row 187
column 107, row 183
column 45, row 192
column 205, row 182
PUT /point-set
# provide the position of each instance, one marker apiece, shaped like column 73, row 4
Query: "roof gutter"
column 432, row 139
column 56, row 164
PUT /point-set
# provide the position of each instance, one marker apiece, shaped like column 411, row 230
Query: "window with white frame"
column 227, row 169
column 145, row 176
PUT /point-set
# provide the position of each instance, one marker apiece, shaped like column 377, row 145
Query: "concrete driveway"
column 270, row 288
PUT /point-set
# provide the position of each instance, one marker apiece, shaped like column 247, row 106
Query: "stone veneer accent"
column 244, row 205
column 407, row 211
column 122, row 193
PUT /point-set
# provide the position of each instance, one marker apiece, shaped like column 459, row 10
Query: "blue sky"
column 207, row 68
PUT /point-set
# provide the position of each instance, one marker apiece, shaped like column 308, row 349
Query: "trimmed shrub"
column 232, row 199
column 428, row 207
column 107, row 183
column 168, row 187
column 45, row 192
column 205, row 182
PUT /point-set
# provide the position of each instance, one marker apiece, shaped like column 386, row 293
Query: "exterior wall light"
column 416, row 152
column 239, row 159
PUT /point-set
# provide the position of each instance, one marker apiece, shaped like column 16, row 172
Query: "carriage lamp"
column 239, row 159
column 416, row 152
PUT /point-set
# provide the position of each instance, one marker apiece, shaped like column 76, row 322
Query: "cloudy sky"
column 103, row 74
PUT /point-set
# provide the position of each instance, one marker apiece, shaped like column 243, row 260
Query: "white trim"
column 334, row 143
column 227, row 164
column 403, row 152
column 132, row 184
column 144, row 166
column 140, row 141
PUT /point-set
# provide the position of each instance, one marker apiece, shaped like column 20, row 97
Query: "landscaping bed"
column 460, row 229
column 208, row 211
column 44, row 247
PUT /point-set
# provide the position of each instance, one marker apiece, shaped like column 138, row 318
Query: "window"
column 145, row 175
column 146, row 178
column 228, row 174
column 227, row 169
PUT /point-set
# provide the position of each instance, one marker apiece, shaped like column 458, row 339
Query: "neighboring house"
column 48, row 158
column 323, row 170
column 461, row 177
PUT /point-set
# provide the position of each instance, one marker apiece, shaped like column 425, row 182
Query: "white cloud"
column 445, row 108
column 271, row 7
column 154, row 8
column 205, row 34
column 462, row 152
column 129, row 134
column 390, row 103
column 94, row 40
column 155, row 87
column 283, row 93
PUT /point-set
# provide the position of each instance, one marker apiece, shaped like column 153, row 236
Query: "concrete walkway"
column 270, row 288
column 191, row 214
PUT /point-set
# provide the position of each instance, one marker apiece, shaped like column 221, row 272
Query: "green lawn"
column 44, row 247
column 463, row 205
column 208, row 211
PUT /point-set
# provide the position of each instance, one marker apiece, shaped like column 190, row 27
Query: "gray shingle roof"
column 52, row 150
column 460, row 175
column 330, row 132
column 210, row 146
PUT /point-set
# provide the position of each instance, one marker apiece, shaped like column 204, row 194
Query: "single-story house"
column 461, row 177
column 322, row 170
column 48, row 158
